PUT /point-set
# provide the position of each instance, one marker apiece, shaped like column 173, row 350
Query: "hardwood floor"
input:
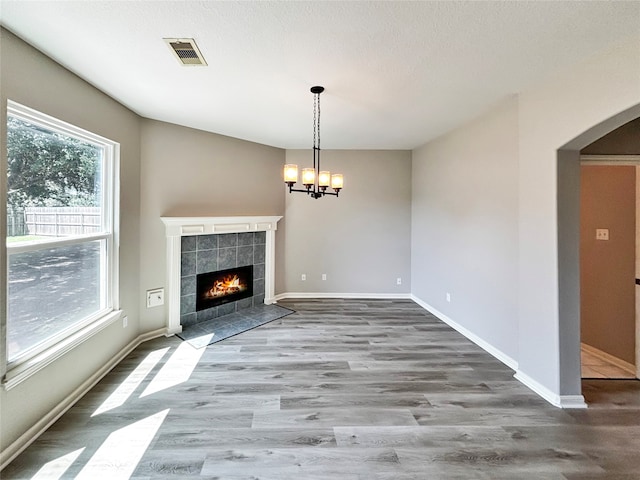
column 345, row 389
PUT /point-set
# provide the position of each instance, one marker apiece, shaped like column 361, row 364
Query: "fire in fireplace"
column 223, row 286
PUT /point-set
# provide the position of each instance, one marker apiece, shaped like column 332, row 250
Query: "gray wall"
column 496, row 188
column 361, row 239
column 568, row 238
column 188, row 172
column 465, row 226
column 32, row 79
column 566, row 112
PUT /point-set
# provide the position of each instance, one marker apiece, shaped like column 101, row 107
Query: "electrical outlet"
column 155, row 297
column 398, row 281
column 303, row 277
column 602, row 234
column 448, row 297
column 324, row 276
column 125, row 322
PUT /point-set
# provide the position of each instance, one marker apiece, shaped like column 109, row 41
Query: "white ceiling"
column 396, row 73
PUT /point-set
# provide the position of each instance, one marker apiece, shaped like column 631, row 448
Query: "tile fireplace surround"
column 178, row 227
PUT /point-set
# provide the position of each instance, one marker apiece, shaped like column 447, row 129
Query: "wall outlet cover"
column 155, row 297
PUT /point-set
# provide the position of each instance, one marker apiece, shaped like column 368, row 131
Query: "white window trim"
column 44, row 354
column 33, row 364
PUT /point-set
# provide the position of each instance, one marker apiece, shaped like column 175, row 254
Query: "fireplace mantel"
column 178, row 227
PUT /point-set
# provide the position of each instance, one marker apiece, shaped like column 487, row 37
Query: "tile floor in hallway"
column 597, row 367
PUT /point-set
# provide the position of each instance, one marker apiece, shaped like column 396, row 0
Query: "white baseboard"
column 572, row 401
column 368, row 296
column 27, row 438
column 618, row 362
column 497, row 353
column 561, row 401
column 537, row 387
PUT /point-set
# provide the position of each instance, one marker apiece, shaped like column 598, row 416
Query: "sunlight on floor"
column 54, row 469
column 177, row 370
column 126, row 388
column 120, row 453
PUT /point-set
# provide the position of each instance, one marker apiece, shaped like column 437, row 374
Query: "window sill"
column 23, row 371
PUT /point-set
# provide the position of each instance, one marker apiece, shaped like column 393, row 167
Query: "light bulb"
column 324, row 179
column 337, row 182
column 291, row 173
column 308, row 176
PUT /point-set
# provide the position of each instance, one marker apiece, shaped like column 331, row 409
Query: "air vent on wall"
column 186, row 51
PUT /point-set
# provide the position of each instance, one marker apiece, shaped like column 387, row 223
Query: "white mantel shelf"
column 178, row 227
column 182, row 226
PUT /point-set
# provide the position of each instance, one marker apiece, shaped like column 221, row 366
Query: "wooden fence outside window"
column 53, row 221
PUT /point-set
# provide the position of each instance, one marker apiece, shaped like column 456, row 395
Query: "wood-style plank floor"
column 342, row 389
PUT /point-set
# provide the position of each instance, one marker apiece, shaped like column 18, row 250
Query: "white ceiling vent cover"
column 186, row 51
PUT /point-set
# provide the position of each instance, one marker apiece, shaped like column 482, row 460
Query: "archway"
column 568, row 210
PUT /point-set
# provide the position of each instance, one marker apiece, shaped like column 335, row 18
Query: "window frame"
column 37, row 357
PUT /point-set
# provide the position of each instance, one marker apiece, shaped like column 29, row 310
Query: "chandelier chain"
column 315, row 119
column 318, row 99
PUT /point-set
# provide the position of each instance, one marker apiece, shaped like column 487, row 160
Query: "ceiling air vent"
column 186, row 51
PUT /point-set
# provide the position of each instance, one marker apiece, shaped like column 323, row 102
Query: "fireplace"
column 223, row 286
column 199, row 245
column 221, row 274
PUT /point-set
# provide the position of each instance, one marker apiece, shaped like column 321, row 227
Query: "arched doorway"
column 568, row 210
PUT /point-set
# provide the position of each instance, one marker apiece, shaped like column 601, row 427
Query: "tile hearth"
column 200, row 334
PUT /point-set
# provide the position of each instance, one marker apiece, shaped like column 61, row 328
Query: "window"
column 61, row 245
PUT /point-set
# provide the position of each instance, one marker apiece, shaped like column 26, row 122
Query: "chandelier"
column 315, row 181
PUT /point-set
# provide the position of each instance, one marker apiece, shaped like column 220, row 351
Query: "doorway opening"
column 608, row 233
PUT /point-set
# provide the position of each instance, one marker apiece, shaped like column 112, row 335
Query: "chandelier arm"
column 312, row 192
